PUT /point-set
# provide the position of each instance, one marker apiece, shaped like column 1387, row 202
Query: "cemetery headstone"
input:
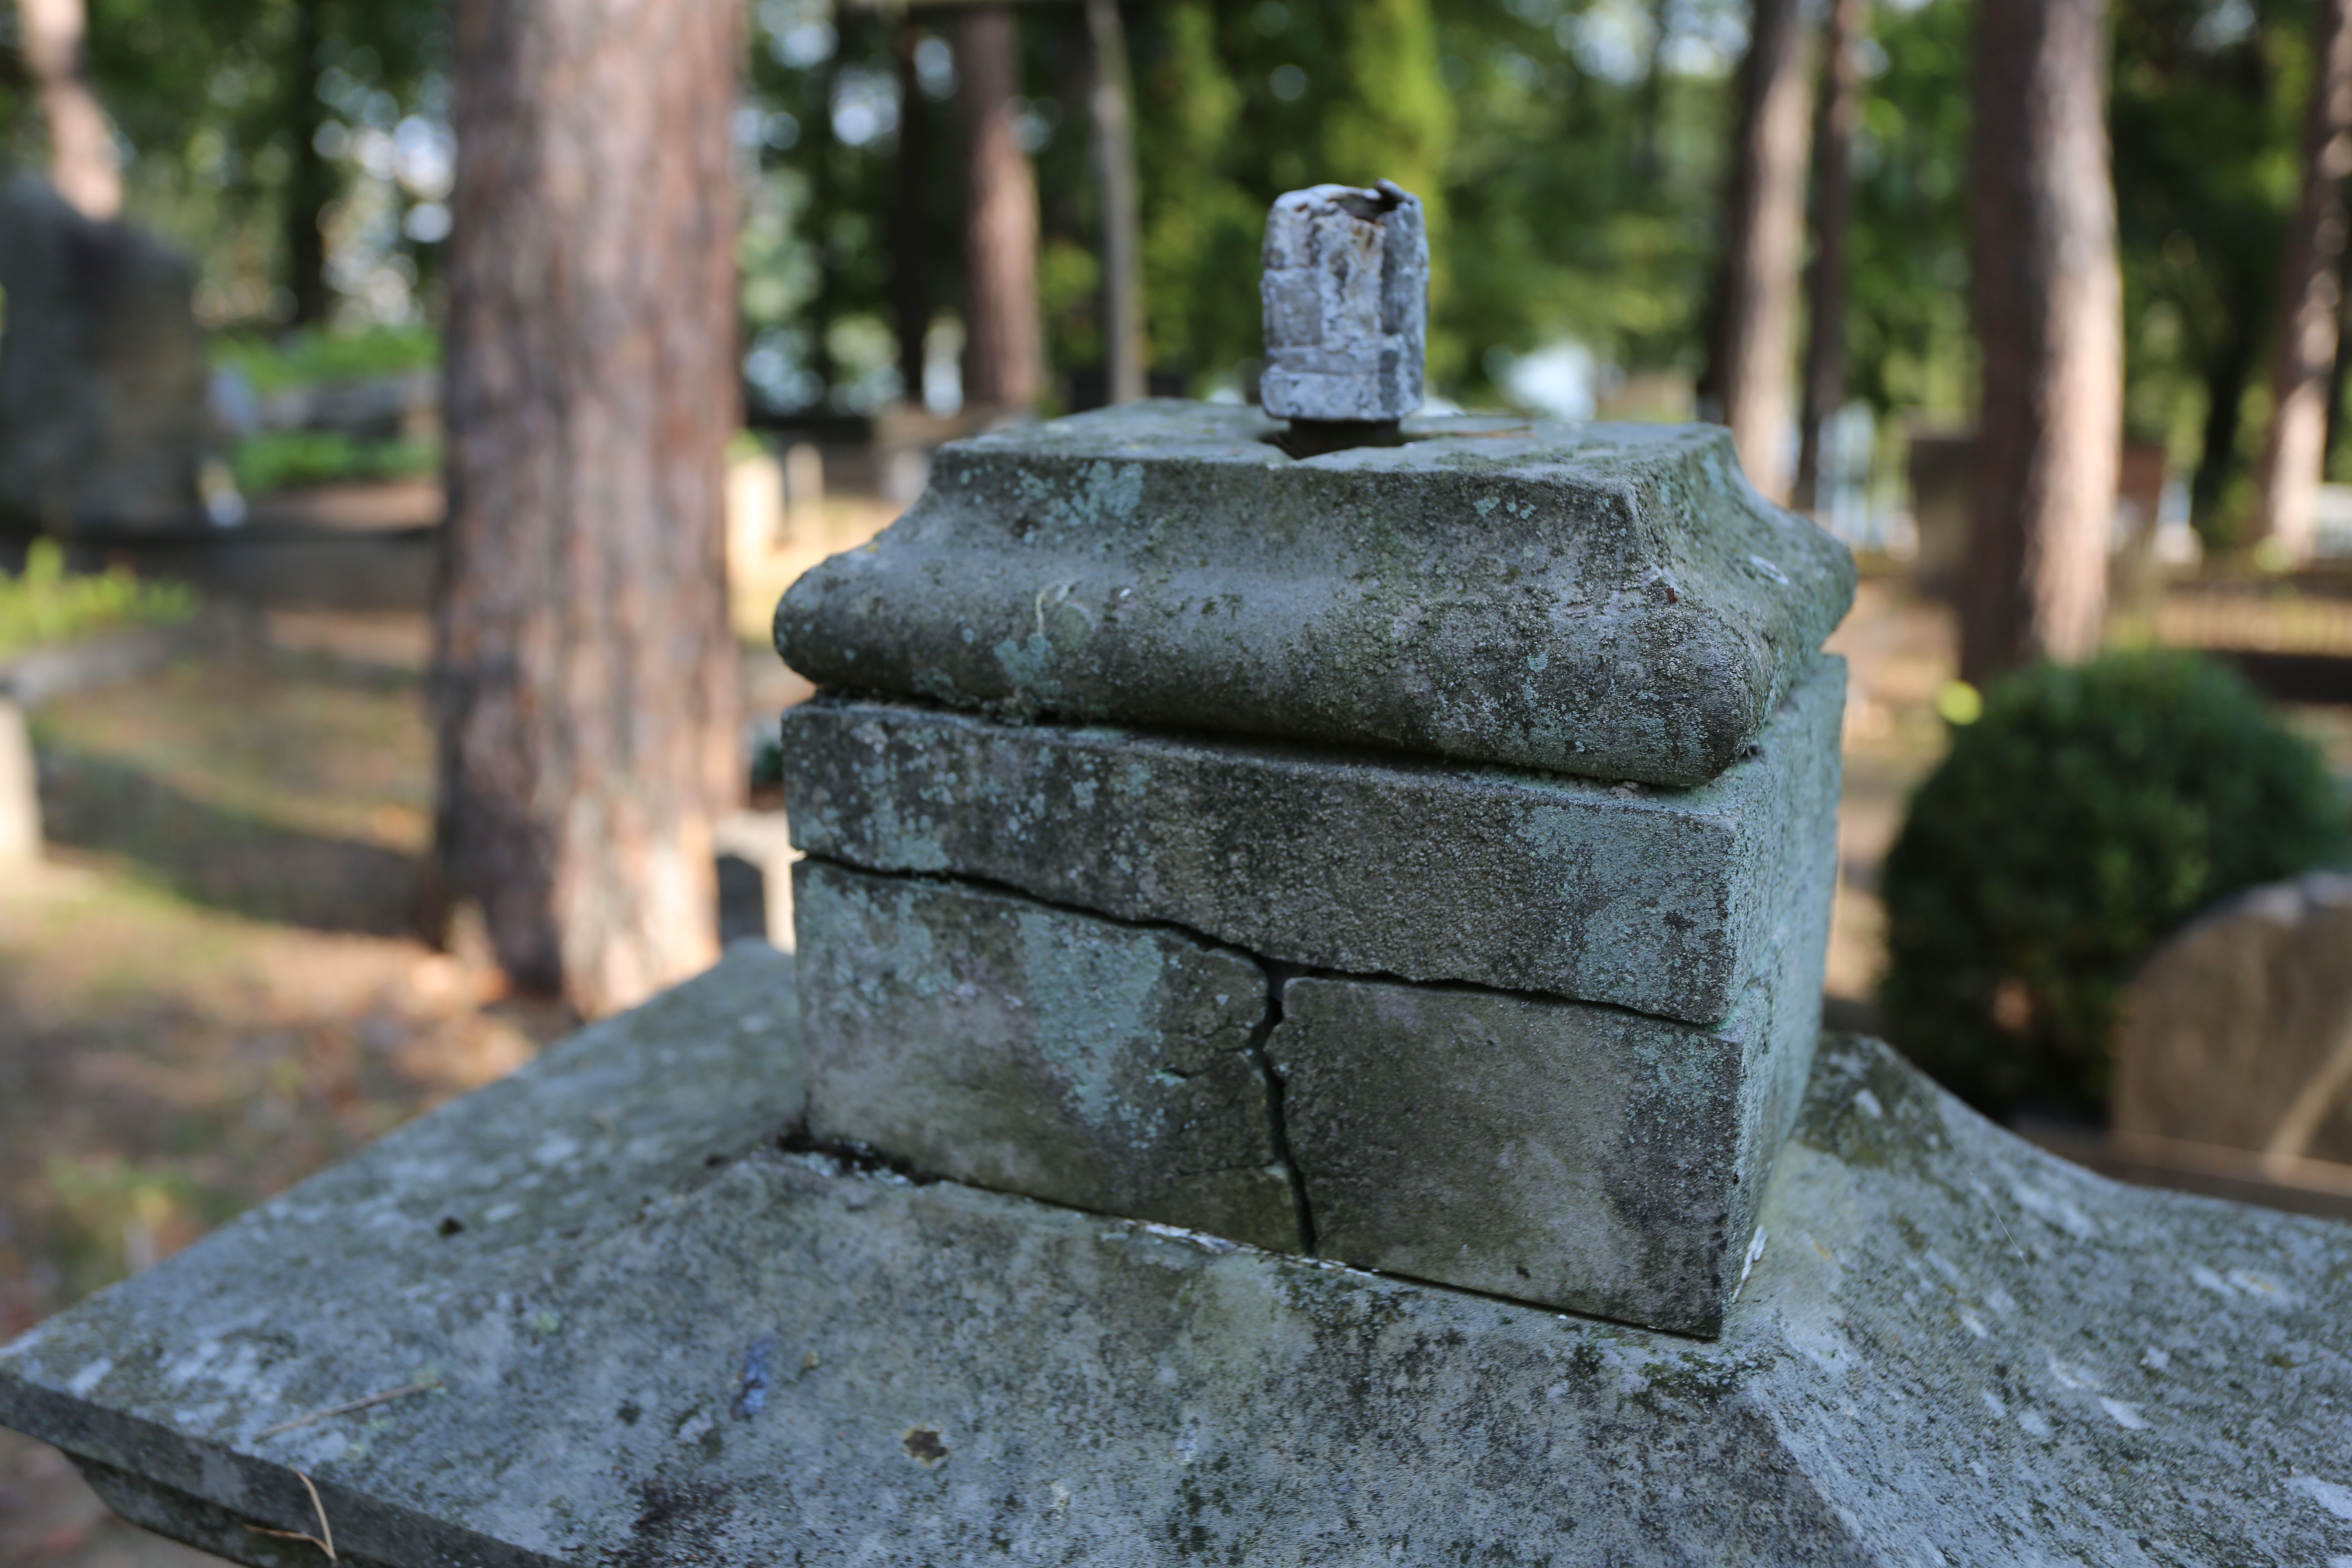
column 2237, row 1032
column 103, row 413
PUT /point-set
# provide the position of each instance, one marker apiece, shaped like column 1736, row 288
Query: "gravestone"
column 1216, row 1117
column 103, row 417
column 2237, row 1032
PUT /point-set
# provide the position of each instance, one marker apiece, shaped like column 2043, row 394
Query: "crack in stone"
column 1277, row 975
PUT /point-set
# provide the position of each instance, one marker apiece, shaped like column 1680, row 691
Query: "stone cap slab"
column 1611, row 600
column 686, row 1345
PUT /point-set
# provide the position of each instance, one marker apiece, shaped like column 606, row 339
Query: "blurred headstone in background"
column 103, row 384
column 2238, row 1031
column 1942, row 470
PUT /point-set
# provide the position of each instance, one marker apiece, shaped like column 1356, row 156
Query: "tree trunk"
column 81, row 144
column 1763, row 245
column 1841, row 111
column 2049, row 307
column 1003, row 344
column 2226, row 371
column 2343, row 366
column 585, row 688
column 310, row 183
column 2295, row 450
column 910, row 248
column 1122, row 248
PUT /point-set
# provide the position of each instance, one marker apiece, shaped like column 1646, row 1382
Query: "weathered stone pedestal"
column 637, row 1329
column 1417, row 856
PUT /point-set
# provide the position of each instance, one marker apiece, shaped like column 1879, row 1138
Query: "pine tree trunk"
column 585, row 688
column 2048, row 313
column 1115, row 184
column 1003, row 345
column 2309, row 296
column 81, row 144
column 310, row 183
column 1841, row 111
column 1764, row 238
column 910, row 248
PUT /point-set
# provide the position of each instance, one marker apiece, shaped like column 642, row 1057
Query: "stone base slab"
column 1663, row 901
column 678, row 1344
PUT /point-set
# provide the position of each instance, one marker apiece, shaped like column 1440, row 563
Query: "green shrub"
column 312, row 358
column 288, row 459
column 45, row 604
column 2088, row 812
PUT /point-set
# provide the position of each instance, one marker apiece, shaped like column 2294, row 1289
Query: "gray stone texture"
column 1345, row 297
column 1607, row 600
column 681, row 1345
column 103, row 413
column 2238, row 1030
column 1551, row 1152
column 1664, row 902
column 992, row 1039
column 1560, row 1152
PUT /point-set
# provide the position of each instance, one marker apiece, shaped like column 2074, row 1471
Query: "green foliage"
column 44, row 603
column 288, row 459
column 2087, row 812
column 311, row 358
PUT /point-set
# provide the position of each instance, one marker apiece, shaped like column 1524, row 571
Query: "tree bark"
column 1756, row 314
column 1841, row 111
column 82, row 164
column 910, row 249
column 310, row 183
column 1003, row 345
column 2294, row 449
column 1122, row 225
column 2049, row 307
column 585, row 688
column 2227, row 370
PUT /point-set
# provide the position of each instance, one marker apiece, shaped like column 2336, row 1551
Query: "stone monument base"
column 607, row 1312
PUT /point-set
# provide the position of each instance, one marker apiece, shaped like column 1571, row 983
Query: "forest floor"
column 211, row 989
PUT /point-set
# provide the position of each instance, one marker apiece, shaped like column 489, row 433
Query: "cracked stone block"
column 1613, row 601
column 991, row 1039
column 1345, row 299
column 1663, row 901
column 1580, row 1156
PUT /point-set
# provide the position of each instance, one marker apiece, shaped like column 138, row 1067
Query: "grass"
column 45, row 604
column 299, row 359
column 289, row 459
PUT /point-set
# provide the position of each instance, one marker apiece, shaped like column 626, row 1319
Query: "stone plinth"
column 660, row 1338
column 1663, row 901
column 1607, row 600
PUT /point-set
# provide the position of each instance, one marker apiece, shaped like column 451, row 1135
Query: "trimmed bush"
column 2087, row 812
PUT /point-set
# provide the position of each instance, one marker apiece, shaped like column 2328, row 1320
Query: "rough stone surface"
column 1609, row 600
column 1661, row 902
column 990, row 1038
column 1953, row 1349
column 1560, row 1152
column 1346, row 293
column 1552, row 1151
column 2238, row 1030
column 103, row 420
